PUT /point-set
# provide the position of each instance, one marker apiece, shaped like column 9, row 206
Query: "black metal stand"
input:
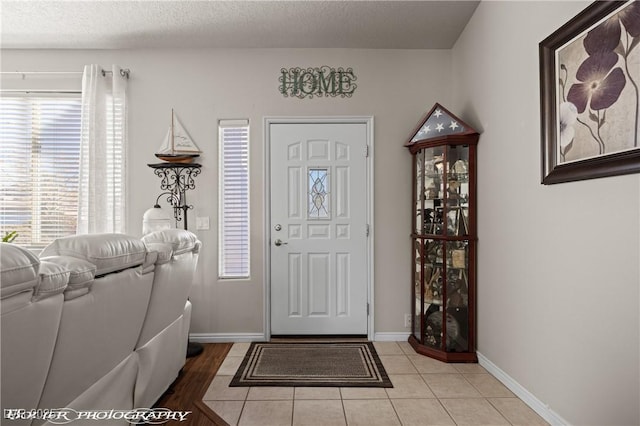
column 177, row 179
column 194, row 349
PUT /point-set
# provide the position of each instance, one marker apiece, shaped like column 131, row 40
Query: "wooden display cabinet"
column 443, row 237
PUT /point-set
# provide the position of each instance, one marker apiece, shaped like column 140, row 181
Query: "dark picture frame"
column 589, row 99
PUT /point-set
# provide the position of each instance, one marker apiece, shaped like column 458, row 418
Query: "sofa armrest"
column 18, row 270
column 180, row 240
column 162, row 251
column 81, row 274
column 54, row 279
column 150, row 261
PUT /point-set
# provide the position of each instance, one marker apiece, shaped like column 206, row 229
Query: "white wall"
column 395, row 86
column 558, row 273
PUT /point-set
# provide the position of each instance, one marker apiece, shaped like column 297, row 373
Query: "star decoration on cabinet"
column 437, row 123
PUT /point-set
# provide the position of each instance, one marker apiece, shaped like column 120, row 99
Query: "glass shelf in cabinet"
column 462, row 177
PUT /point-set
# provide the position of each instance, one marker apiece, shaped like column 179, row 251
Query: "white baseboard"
column 226, row 337
column 391, row 337
column 256, row 337
column 527, row 397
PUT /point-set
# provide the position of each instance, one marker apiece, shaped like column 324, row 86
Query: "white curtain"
column 102, row 198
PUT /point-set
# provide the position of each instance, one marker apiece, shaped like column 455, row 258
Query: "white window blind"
column 39, row 157
column 233, row 253
column 39, row 161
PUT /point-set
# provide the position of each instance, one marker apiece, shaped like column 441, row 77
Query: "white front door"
column 318, row 229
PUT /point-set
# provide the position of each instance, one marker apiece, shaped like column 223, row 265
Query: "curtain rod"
column 123, row 72
column 51, row 91
column 24, row 73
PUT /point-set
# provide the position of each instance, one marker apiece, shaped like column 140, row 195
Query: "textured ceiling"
column 233, row 24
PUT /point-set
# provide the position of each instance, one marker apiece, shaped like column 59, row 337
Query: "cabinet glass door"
column 457, row 196
column 442, row 254
column 417, row 288
column 433, row 280
column 433, row 190
column 457, row 296
column 419, row 201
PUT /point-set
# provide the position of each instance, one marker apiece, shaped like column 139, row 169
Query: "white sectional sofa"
column 96, row 322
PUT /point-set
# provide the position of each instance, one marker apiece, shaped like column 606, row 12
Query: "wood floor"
column 185, row 394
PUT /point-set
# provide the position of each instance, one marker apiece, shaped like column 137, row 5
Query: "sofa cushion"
column 180, row 240
column 108, row 252
column 53, row 280
column 18, row 269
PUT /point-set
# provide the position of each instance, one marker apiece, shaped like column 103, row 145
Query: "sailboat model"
column 177, row 146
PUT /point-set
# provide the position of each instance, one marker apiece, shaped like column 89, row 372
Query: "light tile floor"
column 426, row 392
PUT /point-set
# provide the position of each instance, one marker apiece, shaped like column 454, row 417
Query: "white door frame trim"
column 267, row 121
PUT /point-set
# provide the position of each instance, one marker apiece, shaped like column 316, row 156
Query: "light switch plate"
column 202, row 222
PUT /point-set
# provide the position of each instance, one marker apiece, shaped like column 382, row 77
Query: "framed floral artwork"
column 589, row 91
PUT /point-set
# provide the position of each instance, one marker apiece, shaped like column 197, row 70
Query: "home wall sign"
column 319, row 81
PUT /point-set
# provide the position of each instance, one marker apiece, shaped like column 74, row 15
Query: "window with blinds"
column 233, row 252
column 39, row 166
